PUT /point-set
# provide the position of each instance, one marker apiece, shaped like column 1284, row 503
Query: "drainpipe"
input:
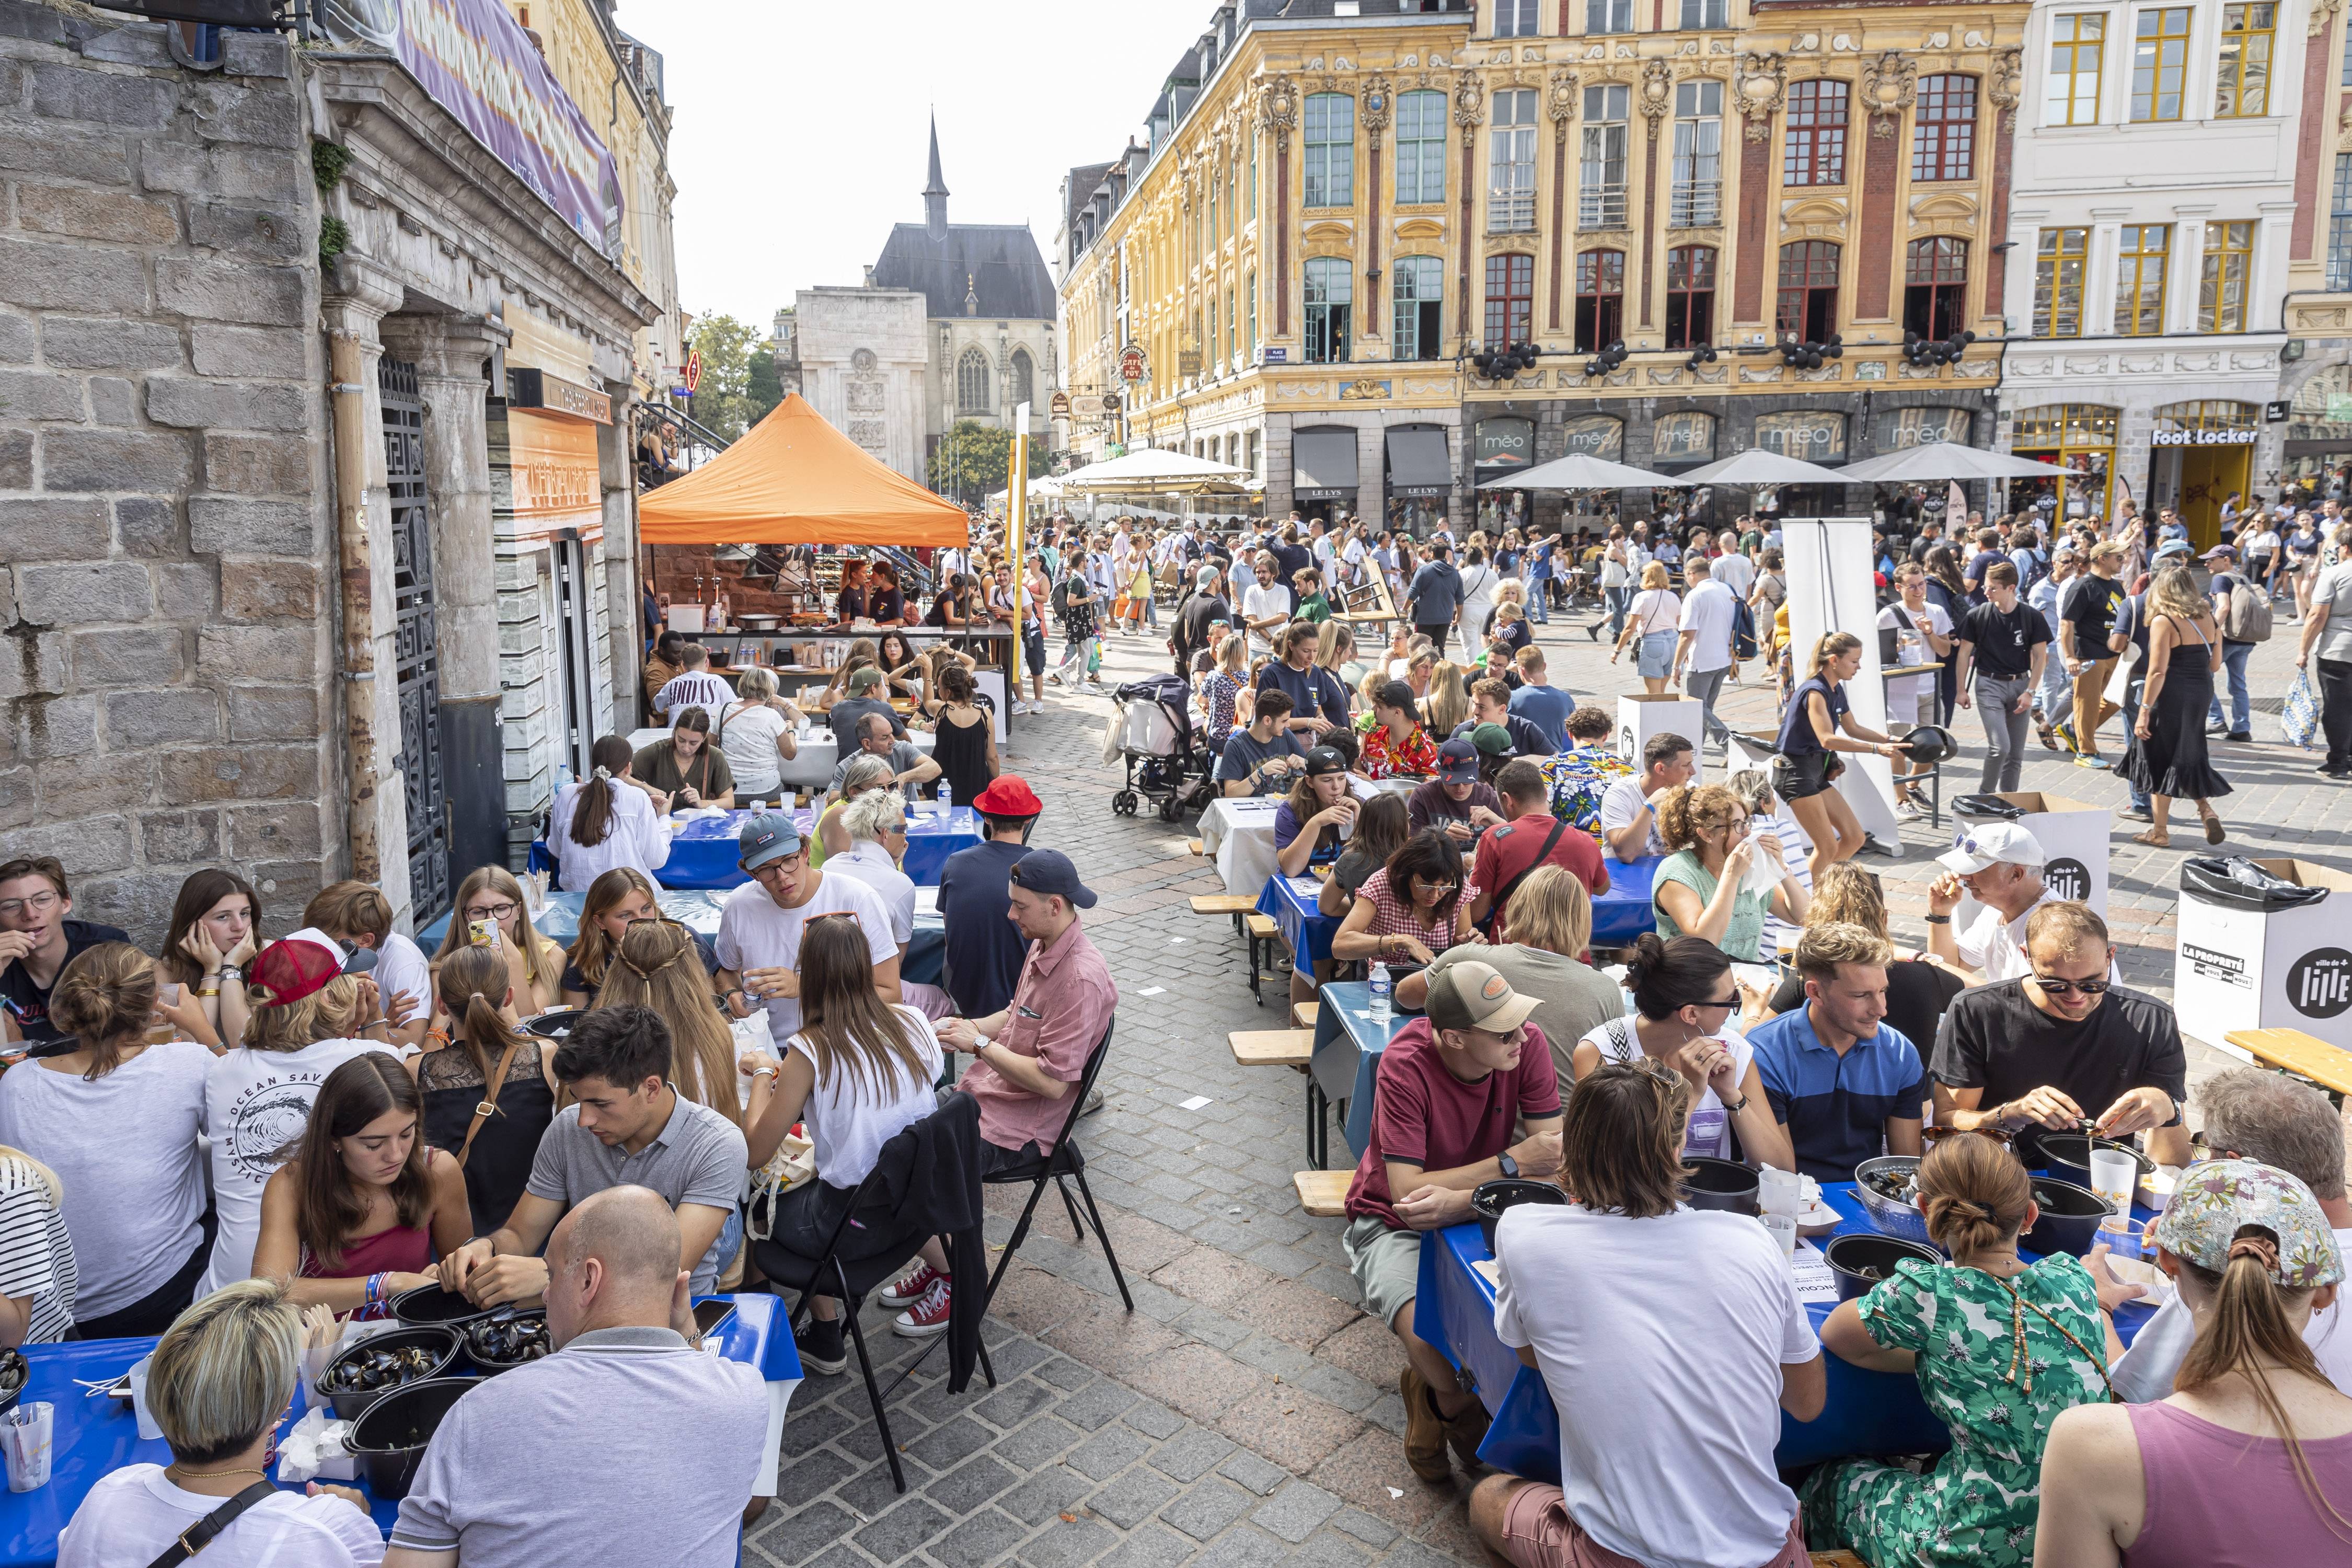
column 347, row 362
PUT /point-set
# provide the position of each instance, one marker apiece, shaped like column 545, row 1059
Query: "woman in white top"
column 1683, row 998
column 758, row 733
column 608, row 819
column 1654, row 623
column 1616, row 581
column 1479, row 581
column 859, row 1071
column 217, row 1384
column 118, row 1120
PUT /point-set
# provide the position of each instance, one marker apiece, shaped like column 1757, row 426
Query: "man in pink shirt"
column 1027, row 1059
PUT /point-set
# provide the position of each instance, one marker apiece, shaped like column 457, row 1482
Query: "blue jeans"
column 2241, row 699
column 1539, row 601
column 1620, row 600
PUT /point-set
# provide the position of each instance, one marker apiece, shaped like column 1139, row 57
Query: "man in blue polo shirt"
column 1845, row 1085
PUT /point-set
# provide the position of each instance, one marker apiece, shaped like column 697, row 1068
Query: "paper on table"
column 1305, row 887
column 1814, row 1280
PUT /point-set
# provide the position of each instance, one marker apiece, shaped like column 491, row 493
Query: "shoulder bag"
column 488, row 1107
column 202, row 1533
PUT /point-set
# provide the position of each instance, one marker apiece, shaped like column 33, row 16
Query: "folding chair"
column 1064, row 1164
column 850, row 1281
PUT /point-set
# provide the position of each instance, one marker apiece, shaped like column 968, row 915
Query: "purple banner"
column 478, row 64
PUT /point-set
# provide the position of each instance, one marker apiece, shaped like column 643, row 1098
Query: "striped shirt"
column 37, row 1255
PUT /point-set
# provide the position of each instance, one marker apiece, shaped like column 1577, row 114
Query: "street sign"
column 1110, row 403
column 1060, row 407
column 1132, row 365
column 1277, row 356
column 693, row 369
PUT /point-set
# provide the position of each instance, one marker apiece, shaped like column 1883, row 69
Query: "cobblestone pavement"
column 1246, row 1413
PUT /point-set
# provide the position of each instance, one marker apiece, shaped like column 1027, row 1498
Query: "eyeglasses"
column 2067, row 987
column 39, row 904
column 1726, row 1004
column 480, row 911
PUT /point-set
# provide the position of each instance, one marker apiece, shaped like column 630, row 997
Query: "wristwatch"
column 1510, row 1167
column 1940, row 920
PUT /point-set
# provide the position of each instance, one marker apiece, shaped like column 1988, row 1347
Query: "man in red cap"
column 984, row 951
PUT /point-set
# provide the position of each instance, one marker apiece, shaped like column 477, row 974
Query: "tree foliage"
column 972, row 461
column 722, row 400
column 765, row 387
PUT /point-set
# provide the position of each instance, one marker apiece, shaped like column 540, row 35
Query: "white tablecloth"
column 812, row 768
column 1239, row 832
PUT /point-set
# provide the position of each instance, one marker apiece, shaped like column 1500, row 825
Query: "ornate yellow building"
column 1334, row 216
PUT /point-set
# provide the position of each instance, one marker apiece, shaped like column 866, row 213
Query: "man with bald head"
column 501, row 1484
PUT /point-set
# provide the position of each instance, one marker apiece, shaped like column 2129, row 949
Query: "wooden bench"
column 1265, row 933
column 1194, row 846
column 1304, row 1013
column 1272, row 1048
column 2293, row 1051
column 1323, row 1194
column 1236, row 904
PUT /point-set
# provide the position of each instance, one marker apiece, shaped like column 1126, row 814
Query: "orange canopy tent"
column 796, row 480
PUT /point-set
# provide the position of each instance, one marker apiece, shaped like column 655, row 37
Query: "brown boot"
column 1424, row 1430
column 1466, row 1431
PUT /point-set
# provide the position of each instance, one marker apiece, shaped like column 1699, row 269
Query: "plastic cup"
column 2113, row 1177
column 2123, row 1236
column 1783, row 1227
column 148, row 1429
column 26, row 1435
column 1781, row 1191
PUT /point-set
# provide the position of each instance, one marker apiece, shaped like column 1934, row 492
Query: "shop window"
column 1331, row 143
column 2058, row 282
column 1601, row 185
column 2077, row 47
column 1944, row 129
column 1690, row 296
column 1600, row 299
column 1419, row 147
column 2159, row 63
column 1809, row 290
column 2228, row 266
column 1697, row 198
column 1814, row 151
column 2241, row 83
column 1331, row 290
column 2143, row 251
column 1935, row 287
column 1511, row 300
column 1416, row 316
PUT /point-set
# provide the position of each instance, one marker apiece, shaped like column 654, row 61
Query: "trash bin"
column 1641, row 716
column 2072, row 836
column 2262, row 944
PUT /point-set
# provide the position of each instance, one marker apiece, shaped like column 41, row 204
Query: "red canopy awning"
column 796, row 480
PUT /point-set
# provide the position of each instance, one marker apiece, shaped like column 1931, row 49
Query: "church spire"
column 934, row 189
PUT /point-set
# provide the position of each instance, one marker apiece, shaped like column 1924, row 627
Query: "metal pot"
column 758, row 622
column 2070, row 1216
column 390, row 1435
column 1723, row 1184
column 431, row 1304
column 556, row 1022
column 1850, row 1255
column 1891, row 1216
column 440, row 1341
column 1493, row 1198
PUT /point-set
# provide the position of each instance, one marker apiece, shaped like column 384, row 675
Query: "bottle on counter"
column 1382, row 1011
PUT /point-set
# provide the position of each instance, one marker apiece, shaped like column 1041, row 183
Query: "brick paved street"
column 1248, row 1413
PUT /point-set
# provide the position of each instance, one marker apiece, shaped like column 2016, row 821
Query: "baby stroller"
column 1152, row 732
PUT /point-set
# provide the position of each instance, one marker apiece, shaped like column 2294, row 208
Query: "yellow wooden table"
column 2298, row 1053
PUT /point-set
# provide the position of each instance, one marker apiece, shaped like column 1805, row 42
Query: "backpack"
column 2249, row 619
column 1743, row 631
column 1061, row 597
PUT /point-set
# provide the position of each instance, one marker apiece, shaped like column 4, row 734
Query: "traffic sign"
column 693, row 369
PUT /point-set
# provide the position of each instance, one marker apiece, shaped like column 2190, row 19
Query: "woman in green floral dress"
column 1999, row 1349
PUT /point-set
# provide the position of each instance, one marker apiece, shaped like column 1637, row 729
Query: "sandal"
column 2214, row 831
column 2049, row 739
column 2155, row 838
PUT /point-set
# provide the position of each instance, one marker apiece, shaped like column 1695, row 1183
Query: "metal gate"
column 416, row 657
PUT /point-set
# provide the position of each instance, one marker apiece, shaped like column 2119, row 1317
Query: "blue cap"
column 767, row 835
column 1048, row 873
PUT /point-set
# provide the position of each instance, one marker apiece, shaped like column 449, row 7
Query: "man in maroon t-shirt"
column 1450, row 1087
column 1507, row 853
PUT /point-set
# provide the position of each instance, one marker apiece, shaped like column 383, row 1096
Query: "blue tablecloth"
column 1308, row 933
column 1866, row 1413
column 93, row 1438
column 1623, row 912
column 702, row 853
column 1348, row 1046
column 924, row 963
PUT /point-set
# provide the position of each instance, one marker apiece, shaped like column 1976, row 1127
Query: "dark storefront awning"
column 1419, row 464
column 1323, row 465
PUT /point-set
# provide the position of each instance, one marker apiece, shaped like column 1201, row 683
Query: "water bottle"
column 563, row 776
column 947, row 798
column 1379, row 978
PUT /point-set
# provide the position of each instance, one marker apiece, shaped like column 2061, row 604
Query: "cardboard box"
column 2074, row 836
column 2285, row 969
column 1641, row 716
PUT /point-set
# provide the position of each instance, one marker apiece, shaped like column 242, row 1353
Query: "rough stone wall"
column 164, row 525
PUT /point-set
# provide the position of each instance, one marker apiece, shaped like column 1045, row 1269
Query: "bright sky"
column 801, row 132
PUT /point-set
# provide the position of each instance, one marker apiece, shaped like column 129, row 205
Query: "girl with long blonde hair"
column 1653, row 620
column 659, row 966
column 616, row 900
column 490, row 896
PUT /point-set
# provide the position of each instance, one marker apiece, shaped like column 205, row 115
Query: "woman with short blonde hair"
column 1653, row 622
column 758, row 733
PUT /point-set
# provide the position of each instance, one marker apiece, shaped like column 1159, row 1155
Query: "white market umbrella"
column 1579, row 471
column 1938, row 461
column 1758, row 466
column 1155, row 472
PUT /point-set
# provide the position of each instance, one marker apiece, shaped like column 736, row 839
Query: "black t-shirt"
column 1294, row 559
column 985, row 950
column 2089, row 608
column 888, row 605
column 1797, row 737
column 1192, row 624
column 1994, row 1039
column 30, row 1003
column 1918, row 993
column 1354, row 869
column 849, row 604
column 2004, row 643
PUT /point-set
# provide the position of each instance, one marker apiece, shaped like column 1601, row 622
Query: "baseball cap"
column 1473, row 995
column 2172, row 547
column 1493, row 740
column 1458, row 761
column 865, row 681
column 1991, row 844
column 2216, row 1200
column 1322, row 760
column 1049, row 873
column 2221, row 551
column 766, row 835
column 300, row 964
column 1008, row 795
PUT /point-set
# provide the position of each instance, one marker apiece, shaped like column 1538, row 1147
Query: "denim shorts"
column 1657, row 654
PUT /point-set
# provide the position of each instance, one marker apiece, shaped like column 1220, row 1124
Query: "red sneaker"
column 926, row 1317
column 912, row 1287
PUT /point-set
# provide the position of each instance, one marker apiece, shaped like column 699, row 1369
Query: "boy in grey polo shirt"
column 627, row 1126
column 502, row 1483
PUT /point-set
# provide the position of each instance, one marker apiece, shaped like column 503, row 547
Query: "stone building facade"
column 271, row 599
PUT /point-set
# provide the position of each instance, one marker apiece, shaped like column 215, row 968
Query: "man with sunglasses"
column 2062, row 1046
column 760, row 925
